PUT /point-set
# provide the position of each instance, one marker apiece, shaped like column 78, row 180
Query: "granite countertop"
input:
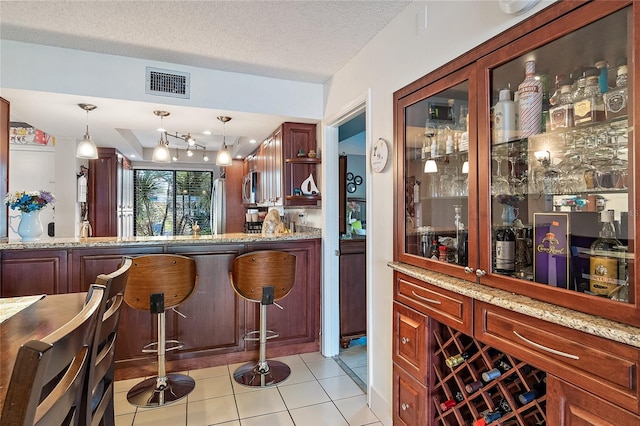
column 591, row 324
column 230, row 238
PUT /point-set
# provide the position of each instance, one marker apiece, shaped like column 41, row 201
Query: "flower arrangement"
column 30, row 201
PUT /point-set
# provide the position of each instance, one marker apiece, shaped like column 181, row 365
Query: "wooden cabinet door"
column 409, row 398
column 410, row 341
column 103, row 192
column 276, row 149
column 214, row 320
column 27, row 272
column 568, row 405
column 298, row 321
column 353, row 290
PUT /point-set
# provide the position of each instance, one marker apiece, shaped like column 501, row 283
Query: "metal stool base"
column 147, row 394
column 250, row 376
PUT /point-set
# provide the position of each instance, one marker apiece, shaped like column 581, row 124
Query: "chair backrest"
column 97, row 397
column 171, row 274
column 48, row 376
column 254, row 270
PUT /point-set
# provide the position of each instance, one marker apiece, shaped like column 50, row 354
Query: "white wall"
column 398, row 55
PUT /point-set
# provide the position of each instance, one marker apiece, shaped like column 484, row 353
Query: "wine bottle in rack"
column 446, row 405
column 536, row 392
column 458, row 359
column 501, row 367
column 473, row 386
column 502, row 409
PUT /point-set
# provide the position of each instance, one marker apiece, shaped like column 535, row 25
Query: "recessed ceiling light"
column 252, row 141
column 206, row 132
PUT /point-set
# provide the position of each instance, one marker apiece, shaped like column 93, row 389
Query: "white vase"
column 30, row 227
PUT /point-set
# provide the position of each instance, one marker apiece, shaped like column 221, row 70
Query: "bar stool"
column 156, row 282
column 263, row 277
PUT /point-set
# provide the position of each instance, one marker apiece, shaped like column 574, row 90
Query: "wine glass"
column 499, row 183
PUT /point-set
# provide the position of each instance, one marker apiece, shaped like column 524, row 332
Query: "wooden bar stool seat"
column 263, row 277
column 157, row 282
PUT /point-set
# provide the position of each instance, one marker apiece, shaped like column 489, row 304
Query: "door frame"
column 330, row 308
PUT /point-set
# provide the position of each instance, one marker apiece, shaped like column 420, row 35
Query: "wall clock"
column 379, row 155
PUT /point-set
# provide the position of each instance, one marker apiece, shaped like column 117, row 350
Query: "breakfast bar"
column 216, row 319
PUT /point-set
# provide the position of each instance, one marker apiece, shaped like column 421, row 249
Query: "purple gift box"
column 551, row 249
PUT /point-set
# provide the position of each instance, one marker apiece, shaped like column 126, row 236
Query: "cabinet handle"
column 404, row 340
column 469, row 270
column 480, row 272
column 435, row 302
column 404, row 406
column 544, row 348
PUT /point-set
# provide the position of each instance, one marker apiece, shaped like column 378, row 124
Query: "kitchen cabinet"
column 283, row 163
column 110, row 194
column 519, row 208
column 4, row 167
column 516, row 210
column 27, row 272
column 569, row 405
column 353, row 290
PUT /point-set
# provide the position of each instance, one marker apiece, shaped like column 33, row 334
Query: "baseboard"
column 380, row 407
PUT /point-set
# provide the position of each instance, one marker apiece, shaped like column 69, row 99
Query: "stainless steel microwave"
column 250, row 188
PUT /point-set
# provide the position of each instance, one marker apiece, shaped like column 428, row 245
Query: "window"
column 170, row 202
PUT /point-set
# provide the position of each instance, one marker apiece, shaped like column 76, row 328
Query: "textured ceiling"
column 304, row 41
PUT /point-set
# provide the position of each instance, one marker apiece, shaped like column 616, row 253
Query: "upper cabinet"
column 515, row 164
column 286, row 162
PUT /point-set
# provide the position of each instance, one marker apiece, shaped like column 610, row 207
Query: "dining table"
column 33, row 322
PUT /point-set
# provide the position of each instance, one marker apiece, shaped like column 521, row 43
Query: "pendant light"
column 86, row 148
column 161, row 153
column 223, row 159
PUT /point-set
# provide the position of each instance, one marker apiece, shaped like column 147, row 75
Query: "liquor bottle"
column 504, row 118
column 588, row 104
column 505, row 250
column 603, row 264
column 562, row 113
column 530, row 102
column 536, row 392
column 616, row 99
column 603, row 77
column 434, row 249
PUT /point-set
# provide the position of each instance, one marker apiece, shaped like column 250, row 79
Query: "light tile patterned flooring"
column 354, row 360
column 318, row 393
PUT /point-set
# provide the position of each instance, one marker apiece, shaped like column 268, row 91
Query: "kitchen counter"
column 591, row 324
column 230, row 238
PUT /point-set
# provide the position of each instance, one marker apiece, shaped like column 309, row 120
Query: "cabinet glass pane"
column 436, row 176
column 560, row 166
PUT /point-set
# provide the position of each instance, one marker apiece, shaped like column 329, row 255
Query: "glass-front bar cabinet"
column 518, row 168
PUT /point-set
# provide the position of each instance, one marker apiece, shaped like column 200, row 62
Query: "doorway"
column 330, row 311
column 352, row 190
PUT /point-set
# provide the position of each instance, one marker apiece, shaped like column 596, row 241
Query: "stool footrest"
column 270, row 335
column 177, row 345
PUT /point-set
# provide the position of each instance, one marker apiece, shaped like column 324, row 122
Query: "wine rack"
column 457, row 384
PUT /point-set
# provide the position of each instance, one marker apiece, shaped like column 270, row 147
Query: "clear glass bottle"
column 562, row 112
column 603, row 264
column 589, row 108
column 616, row 99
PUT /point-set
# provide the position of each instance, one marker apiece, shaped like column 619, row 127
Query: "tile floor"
column 354, row 361
column 318, row 393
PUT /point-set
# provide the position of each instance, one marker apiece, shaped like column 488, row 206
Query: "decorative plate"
column 379, row 155
column 349, row 176
column 351, row 187
column 357, row 180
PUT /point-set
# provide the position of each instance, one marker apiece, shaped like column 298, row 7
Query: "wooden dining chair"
column 48, row 376
column 97, row 397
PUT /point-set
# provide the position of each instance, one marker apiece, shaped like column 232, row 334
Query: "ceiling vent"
column 167, row 83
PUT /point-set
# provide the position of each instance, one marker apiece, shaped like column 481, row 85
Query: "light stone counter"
column 231, row 238
column 591, row 324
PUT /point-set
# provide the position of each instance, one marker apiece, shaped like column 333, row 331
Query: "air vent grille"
column 167, row 83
